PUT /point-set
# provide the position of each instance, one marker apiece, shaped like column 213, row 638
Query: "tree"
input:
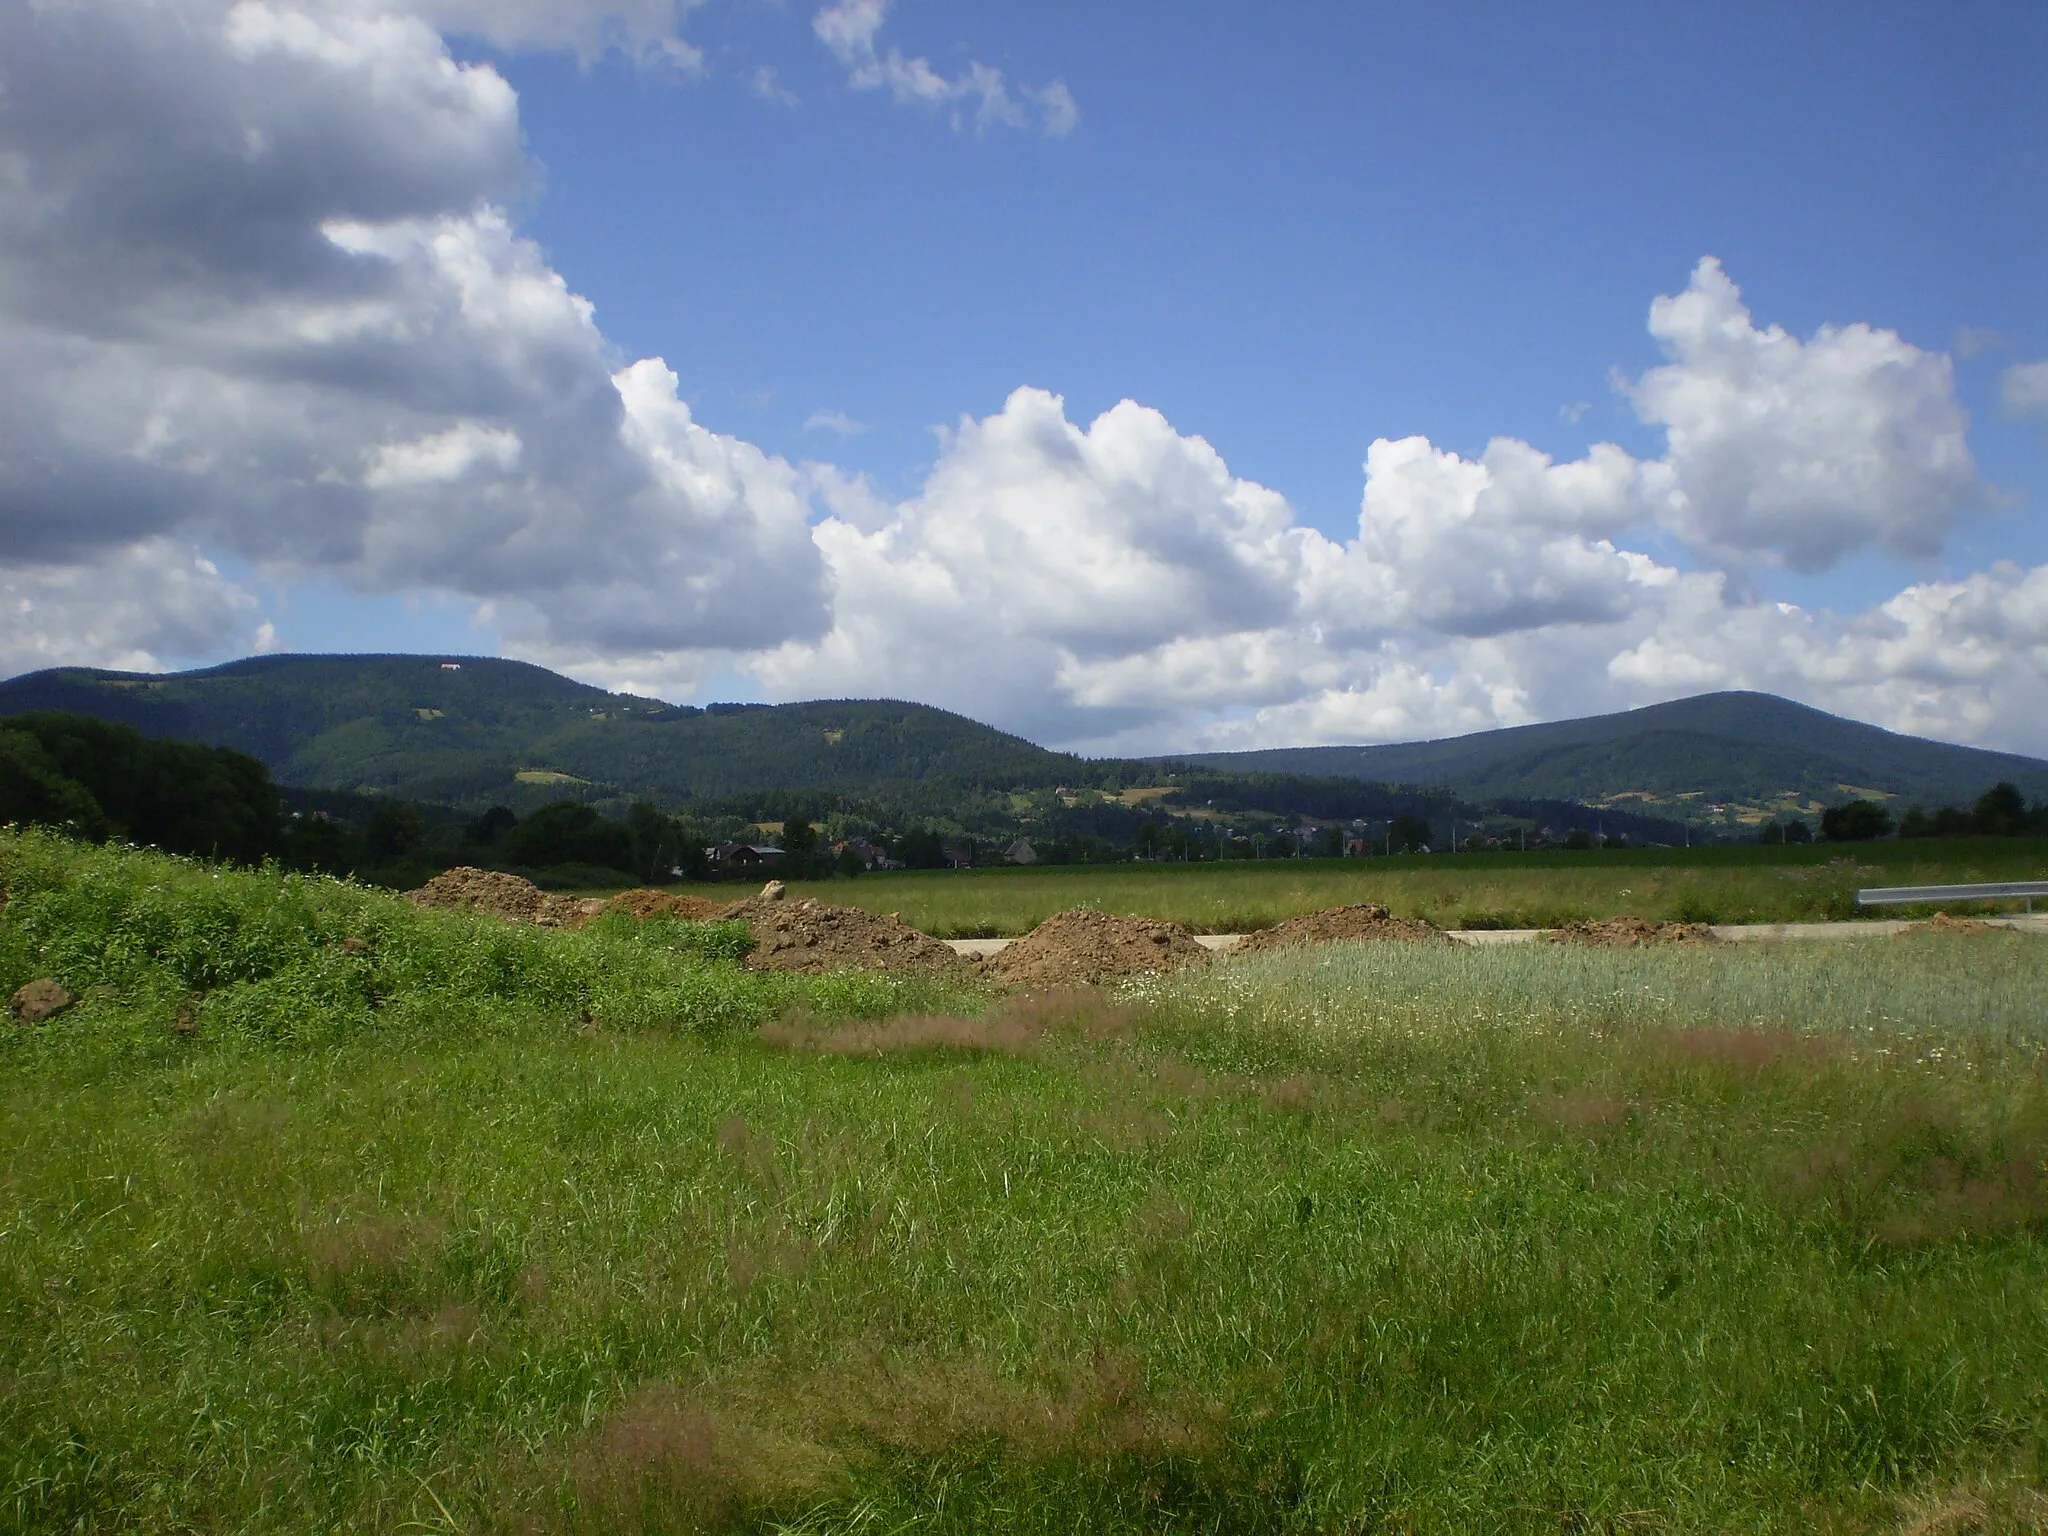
column 655, row 841
column 33, row 789
column 1409, row 834
column 2000, row 812
column 320, row 843
column 799, row 840
column 924, row 850
column 569, row 832
column 1856, row 821
column 799, row 837
column 395, row 830
column 179, row 797
column 488, row 829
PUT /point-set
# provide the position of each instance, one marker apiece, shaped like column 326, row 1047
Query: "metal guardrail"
column 1902, row 895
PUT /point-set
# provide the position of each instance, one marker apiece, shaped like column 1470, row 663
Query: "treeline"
column 2001, row 811
column 101, row 780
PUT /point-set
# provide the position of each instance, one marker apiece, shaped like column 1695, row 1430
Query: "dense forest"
column 102, row 780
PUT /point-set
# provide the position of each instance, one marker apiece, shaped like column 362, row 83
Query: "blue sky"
column 1293, row 230
column 1290, row 233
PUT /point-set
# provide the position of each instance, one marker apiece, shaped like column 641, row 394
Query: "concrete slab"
column 1745, row 933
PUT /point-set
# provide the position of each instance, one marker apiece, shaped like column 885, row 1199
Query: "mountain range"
column 1738, row 750
column 472, row 731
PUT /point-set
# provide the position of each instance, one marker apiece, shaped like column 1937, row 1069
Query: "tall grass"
column 1385, row 1238
column 1721, row 885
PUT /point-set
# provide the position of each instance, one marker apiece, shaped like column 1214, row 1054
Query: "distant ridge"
column 474, row 731
column 468, row 730
column 1734, row 748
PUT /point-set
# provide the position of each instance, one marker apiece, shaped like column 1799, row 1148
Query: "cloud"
column 1114, row 586
column 765, row 83
column 261, row 302
column 257, row 290
column 647, row 31
column 1801, row 452
column 133, row 607
column 836, row 422
column 848, row 29
column 2025, row 388
column 1970, row 340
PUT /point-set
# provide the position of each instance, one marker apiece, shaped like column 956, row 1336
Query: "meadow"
column 322, row 1212
column 1486, row 890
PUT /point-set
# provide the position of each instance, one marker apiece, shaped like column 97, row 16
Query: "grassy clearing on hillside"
column 1388, row 1238
column 1544, row 890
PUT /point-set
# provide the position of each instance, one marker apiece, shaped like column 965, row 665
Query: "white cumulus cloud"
column 258, row 290
column 261, row 297
column 133, row 607
column 1801, row 451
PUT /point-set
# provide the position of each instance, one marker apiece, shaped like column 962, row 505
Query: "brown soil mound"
column 500, row 895
column 1941, row 922
column 1083, row 945
column 1631, row 933
column 40, row 1001
column 1363, row 920
column 810, row 936
column 647, row 902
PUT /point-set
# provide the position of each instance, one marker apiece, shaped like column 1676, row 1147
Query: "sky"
column 1136, row 377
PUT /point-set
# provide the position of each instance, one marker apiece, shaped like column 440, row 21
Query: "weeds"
column 1379, row 1238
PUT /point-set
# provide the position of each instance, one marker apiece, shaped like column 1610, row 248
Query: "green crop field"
column 322, row 1212
column 1719, row 884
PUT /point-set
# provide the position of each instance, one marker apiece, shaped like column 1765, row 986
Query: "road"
column 1749, row 933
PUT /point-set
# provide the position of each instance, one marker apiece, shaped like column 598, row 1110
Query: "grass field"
column 431, row 1225
column 1722, row 885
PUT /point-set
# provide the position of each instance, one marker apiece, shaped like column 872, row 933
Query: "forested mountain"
column 473, row 731
column 1738, row 749
column 467, row 733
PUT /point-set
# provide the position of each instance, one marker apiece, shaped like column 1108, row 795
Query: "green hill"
column 470, row 730
column 1745, row 751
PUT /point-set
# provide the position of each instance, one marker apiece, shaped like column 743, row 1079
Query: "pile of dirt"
column 1082, row 945
column 810, row 936
column 1941, row 922
column 1631, row 933
column 40, row 1001
column 1362, row 920
column 648, row 902
column 496, row 894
